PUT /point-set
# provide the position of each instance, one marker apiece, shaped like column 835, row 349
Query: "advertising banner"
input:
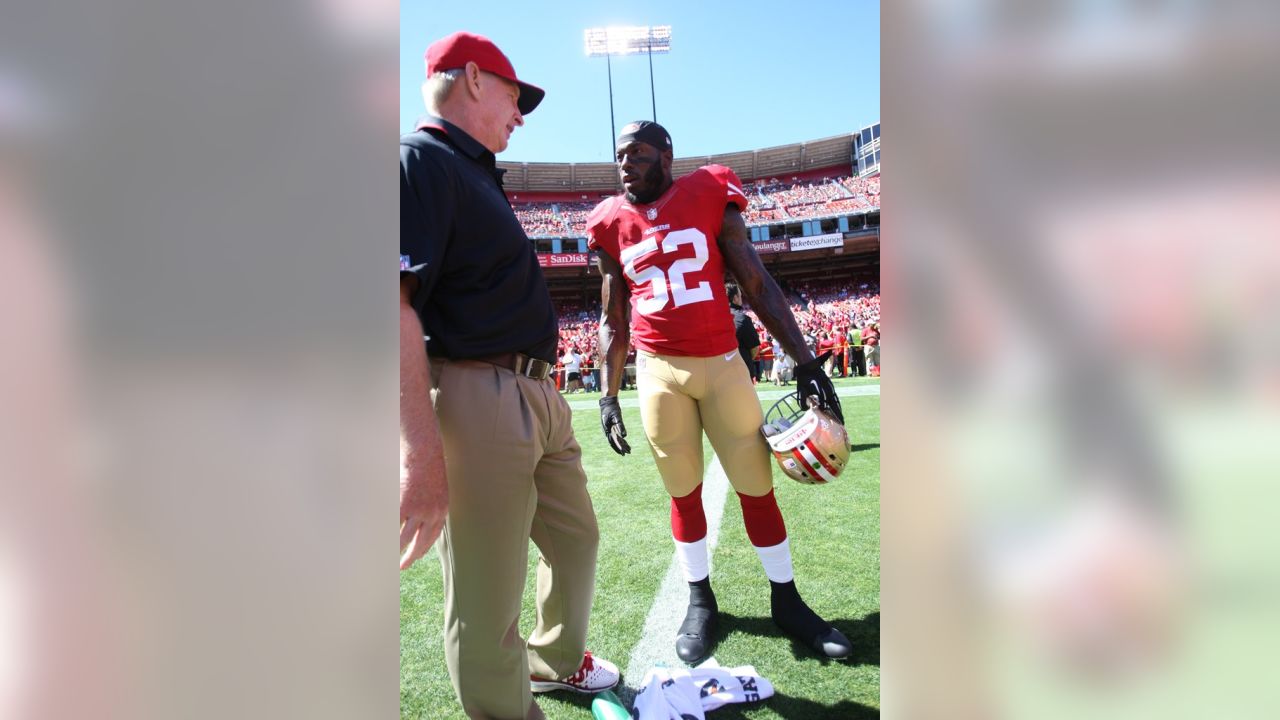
column 770, row 246
column 562, row 259
column 813, row 242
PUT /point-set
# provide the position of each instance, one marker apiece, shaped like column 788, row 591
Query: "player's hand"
column 611, row 420
column 424, row 503
column 811, row 381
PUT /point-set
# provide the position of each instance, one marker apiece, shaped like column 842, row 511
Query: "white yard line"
column 658, row 641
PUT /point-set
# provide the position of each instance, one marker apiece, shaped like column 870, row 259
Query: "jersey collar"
column 460, row 139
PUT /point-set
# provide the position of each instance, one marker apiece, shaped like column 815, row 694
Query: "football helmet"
column 810, row 445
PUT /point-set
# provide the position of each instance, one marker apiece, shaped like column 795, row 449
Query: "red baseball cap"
column 460, row 48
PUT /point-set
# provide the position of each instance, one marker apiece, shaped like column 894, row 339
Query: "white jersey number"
column 671, row 283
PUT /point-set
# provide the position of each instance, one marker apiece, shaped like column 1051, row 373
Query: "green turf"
column 835, row 540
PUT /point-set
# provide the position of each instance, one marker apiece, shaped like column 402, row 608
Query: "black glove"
column 611, row 421
column 811, row 381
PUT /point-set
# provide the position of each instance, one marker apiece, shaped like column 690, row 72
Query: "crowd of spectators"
column 862, row 186
column 809, row 193
column 827, row 196
column 768, row 201
column 823, row 302
column 833, row 315
column 557, row 219
column 575, row 215
column 761, row 208
column 541, row 219
column 838, row 317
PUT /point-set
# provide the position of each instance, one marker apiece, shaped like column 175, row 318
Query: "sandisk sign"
column 814, row 242
column 562, row 259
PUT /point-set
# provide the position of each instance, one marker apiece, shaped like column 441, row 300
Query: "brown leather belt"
column 520, row 364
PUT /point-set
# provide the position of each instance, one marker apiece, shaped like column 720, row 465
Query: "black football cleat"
column 833, row 645
column 793, row 615
column 697, row 633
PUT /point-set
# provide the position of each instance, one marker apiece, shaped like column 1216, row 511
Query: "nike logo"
column 730, row 356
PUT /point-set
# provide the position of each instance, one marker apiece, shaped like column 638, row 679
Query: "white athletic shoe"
column 593, row 676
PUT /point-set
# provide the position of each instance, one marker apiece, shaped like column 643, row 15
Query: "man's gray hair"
column 437, row 87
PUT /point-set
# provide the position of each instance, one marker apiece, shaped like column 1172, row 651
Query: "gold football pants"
column 680, row 398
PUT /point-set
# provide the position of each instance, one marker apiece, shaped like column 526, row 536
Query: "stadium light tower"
column 628, row 40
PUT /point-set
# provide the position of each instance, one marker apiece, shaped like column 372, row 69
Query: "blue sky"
column 740, row 75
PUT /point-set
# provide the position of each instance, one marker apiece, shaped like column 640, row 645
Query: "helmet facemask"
column 810, row 446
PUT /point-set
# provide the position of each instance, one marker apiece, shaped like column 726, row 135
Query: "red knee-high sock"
column 763, row 519
column 688, row 521
column 689, row 528
column 768, row 534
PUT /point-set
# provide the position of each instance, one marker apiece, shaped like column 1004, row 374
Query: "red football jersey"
column 668, row 253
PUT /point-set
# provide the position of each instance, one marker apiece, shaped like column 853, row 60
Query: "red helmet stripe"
column 804, row 463
column 814, row 459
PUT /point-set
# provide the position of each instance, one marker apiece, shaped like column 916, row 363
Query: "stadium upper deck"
column 787, row 184
column 565, row 180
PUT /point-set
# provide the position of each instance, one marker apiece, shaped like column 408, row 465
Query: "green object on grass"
column 607, row 706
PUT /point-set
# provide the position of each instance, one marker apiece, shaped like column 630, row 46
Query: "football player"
column 662, row 249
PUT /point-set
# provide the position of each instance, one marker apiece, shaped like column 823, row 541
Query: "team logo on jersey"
column 404, row 262
column 651, row 213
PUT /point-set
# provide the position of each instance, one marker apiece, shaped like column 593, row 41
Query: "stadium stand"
column 822, row 308
column 769, row 201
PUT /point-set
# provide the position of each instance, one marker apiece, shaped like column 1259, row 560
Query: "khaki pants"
column 515, row 474
column 680, row 397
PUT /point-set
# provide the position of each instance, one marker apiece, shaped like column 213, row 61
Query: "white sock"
column 776, row 561
column 693, row 559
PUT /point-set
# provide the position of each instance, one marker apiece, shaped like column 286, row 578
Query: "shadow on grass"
column 863, row 634
column 546, row 701
column 794, row 708
column 860, row 448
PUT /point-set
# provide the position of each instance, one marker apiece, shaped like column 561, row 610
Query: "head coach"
column 476, row 403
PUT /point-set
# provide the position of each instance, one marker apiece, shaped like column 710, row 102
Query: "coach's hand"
column 424, row 501
column 811, row 381
column 611, row 420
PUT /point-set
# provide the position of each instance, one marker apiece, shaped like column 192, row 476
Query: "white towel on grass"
column 680, row 694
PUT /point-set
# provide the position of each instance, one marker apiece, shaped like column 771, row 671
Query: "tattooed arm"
column 758, row 286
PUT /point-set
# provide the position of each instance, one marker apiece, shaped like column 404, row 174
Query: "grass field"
column 835, row 540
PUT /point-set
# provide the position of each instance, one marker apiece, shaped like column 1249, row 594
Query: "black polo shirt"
column 480, row 290
column 745, row 330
